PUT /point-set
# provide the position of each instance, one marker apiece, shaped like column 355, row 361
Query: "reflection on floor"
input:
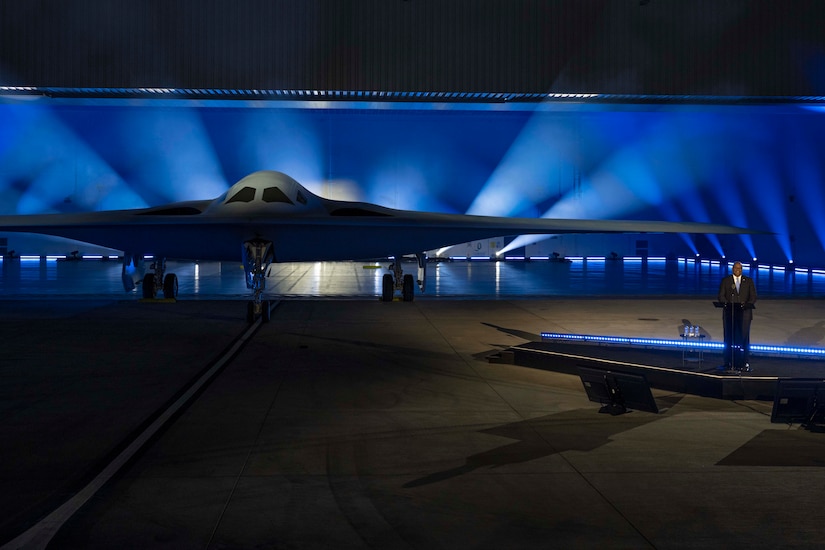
column 459, row 279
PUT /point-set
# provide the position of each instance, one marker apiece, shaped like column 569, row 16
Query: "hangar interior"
column 346, row 422
column 753, row 166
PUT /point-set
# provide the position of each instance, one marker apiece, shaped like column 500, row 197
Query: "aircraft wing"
column 202, row 237
column 304, row 227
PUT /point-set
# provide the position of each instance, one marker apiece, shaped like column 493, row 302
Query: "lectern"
column 733, row 313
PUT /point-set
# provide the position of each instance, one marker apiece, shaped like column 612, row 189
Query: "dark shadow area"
column 808, row 336
column 544, row 436
column 529, row 336
column 666, row 402
column 790, row 448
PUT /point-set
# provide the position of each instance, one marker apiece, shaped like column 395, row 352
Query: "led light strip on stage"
column 690, row 343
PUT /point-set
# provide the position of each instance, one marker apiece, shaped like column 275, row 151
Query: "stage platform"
column 671, row 369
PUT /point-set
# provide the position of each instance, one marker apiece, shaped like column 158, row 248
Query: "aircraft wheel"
column 266, row 315
column 408, row 292
column 250, row 312
column 149, row 286
column 387, row 288
column 170, row 286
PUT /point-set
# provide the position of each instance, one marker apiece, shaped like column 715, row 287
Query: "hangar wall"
column 759, row 167
column 719, row 47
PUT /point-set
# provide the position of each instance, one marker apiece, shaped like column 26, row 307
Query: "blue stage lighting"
column 539, row 165
column 64, row 172
column 283, row 139
column 740, row 165
column 807, row 172
column 683, row 343
column 164, row 154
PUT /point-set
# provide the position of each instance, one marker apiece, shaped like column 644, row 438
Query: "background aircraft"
column 269, row 217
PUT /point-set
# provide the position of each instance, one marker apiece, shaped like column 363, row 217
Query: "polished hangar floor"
column 478, row 279
column 350, row 423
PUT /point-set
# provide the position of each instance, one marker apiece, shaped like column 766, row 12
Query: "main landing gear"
column 258, row 254
column 404, row 283
column 159, row 280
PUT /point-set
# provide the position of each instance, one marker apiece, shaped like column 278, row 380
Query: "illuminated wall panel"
column 755, row 167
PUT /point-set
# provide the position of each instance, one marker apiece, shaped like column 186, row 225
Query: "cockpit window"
column 274, row 194
column 301, row 198
column 247, row 194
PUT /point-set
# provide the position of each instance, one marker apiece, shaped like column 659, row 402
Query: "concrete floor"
column 360, row 424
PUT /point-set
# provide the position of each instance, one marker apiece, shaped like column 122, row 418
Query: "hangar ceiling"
column 481, row 50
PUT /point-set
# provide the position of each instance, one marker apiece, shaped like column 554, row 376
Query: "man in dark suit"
column 738, row 292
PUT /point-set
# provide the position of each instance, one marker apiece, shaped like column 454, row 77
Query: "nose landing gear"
column 258, row 254
column 398, row 281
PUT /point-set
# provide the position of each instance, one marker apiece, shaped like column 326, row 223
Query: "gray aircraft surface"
column 269, row 217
